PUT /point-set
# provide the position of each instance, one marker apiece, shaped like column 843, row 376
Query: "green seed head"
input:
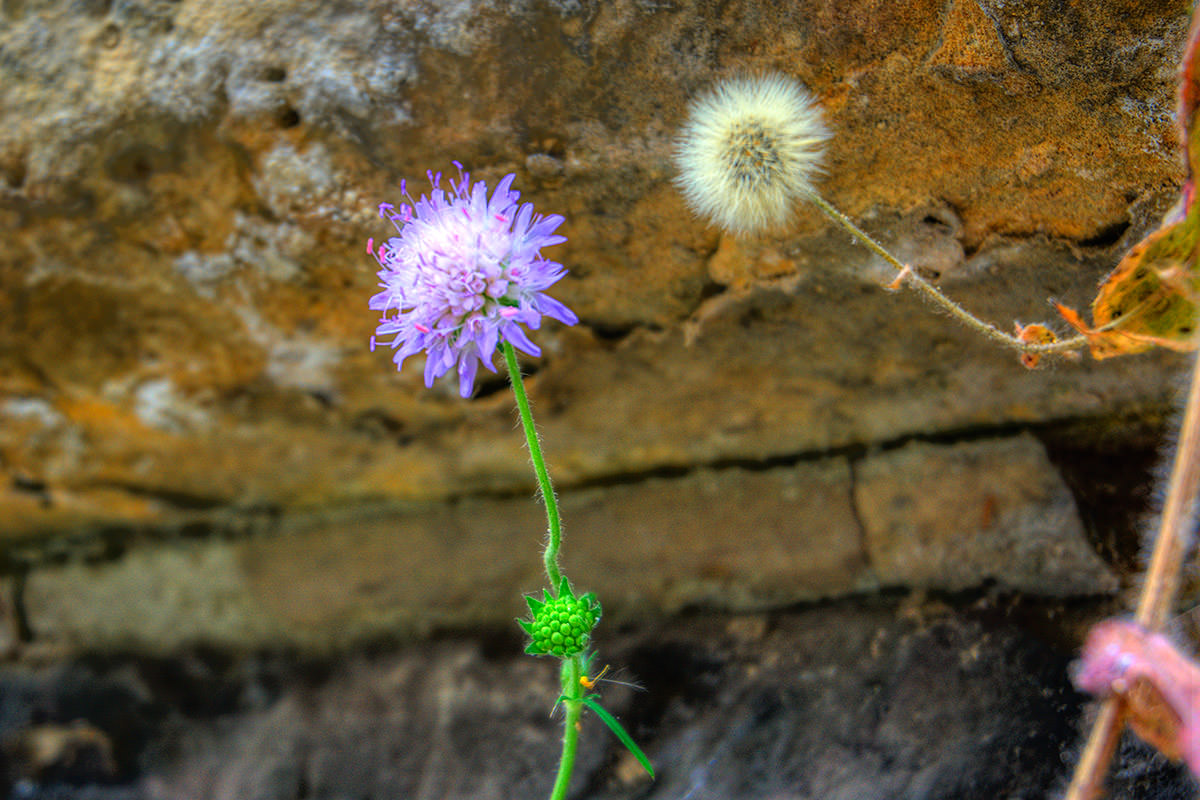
column 560, row 626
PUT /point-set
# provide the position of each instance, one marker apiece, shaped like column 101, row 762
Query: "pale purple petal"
column 502, row 197
column 430, row 370
column 546, row 226
column 556, row 310
column 521, row 223
column 517, row 338
column 466, row 376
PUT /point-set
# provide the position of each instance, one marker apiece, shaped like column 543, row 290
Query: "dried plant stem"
column 1162, row 579
column 1088, row 781
column 1158, row 591
column 906, row 275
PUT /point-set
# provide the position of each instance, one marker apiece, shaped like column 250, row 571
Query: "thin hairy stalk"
column 554, row 526
column 1162, row 579
column 572, row 670
column 1158, row 592
column 907, row 275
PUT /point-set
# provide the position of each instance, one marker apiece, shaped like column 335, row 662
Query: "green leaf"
column 535, row 605
column 620, row 733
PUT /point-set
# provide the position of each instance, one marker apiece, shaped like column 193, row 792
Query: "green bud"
column 560, row 626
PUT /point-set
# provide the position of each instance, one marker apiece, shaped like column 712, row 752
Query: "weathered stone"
column 160, row 597
column 845, row 700
column 731, row 538
column 189, row 187
column 960, row 516
column 923, row 516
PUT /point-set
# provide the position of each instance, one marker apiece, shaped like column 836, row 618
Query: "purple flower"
column 463, row 275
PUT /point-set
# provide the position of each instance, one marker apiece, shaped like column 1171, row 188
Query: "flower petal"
column 517, row 338
column 466, row 375
column 556, row 310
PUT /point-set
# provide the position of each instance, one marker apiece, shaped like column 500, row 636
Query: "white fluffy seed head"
column 750, row 149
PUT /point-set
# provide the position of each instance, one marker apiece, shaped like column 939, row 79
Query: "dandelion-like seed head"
column 750, row 149
column 465, row 273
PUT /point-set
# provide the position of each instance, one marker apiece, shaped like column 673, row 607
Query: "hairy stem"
column 1158, row 591
column 1162, row 579
column 554, row 526
column 572, row 668
column 572, row 689
column 906, row 275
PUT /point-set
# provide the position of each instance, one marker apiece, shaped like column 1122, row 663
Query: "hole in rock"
column 1106, row 236
column 288, row 117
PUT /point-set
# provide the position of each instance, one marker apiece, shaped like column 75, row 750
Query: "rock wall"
column 192, row 426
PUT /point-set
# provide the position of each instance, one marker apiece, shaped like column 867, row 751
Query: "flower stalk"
column 464, row 277
column 572, row 671
column 906, row 275
column 545, row 487
column 563, row 606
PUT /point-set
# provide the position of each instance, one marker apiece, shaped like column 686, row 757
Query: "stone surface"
column 956, row 517
column 935, row 517
column 904, row 700
column 187, row 189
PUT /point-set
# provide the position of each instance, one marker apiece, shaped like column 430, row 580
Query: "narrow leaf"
column 620, row 733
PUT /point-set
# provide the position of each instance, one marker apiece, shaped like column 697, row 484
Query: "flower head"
column 560, row 626
column 465, row 273
column 749, row 150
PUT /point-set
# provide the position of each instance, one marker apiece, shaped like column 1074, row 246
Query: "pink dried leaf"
column 1159, row 686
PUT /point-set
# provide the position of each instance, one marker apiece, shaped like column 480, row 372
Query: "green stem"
column 550, row 557
column 572, row 670
column 909, row 276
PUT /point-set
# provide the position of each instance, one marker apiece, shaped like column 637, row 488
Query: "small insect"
column 590, row 683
